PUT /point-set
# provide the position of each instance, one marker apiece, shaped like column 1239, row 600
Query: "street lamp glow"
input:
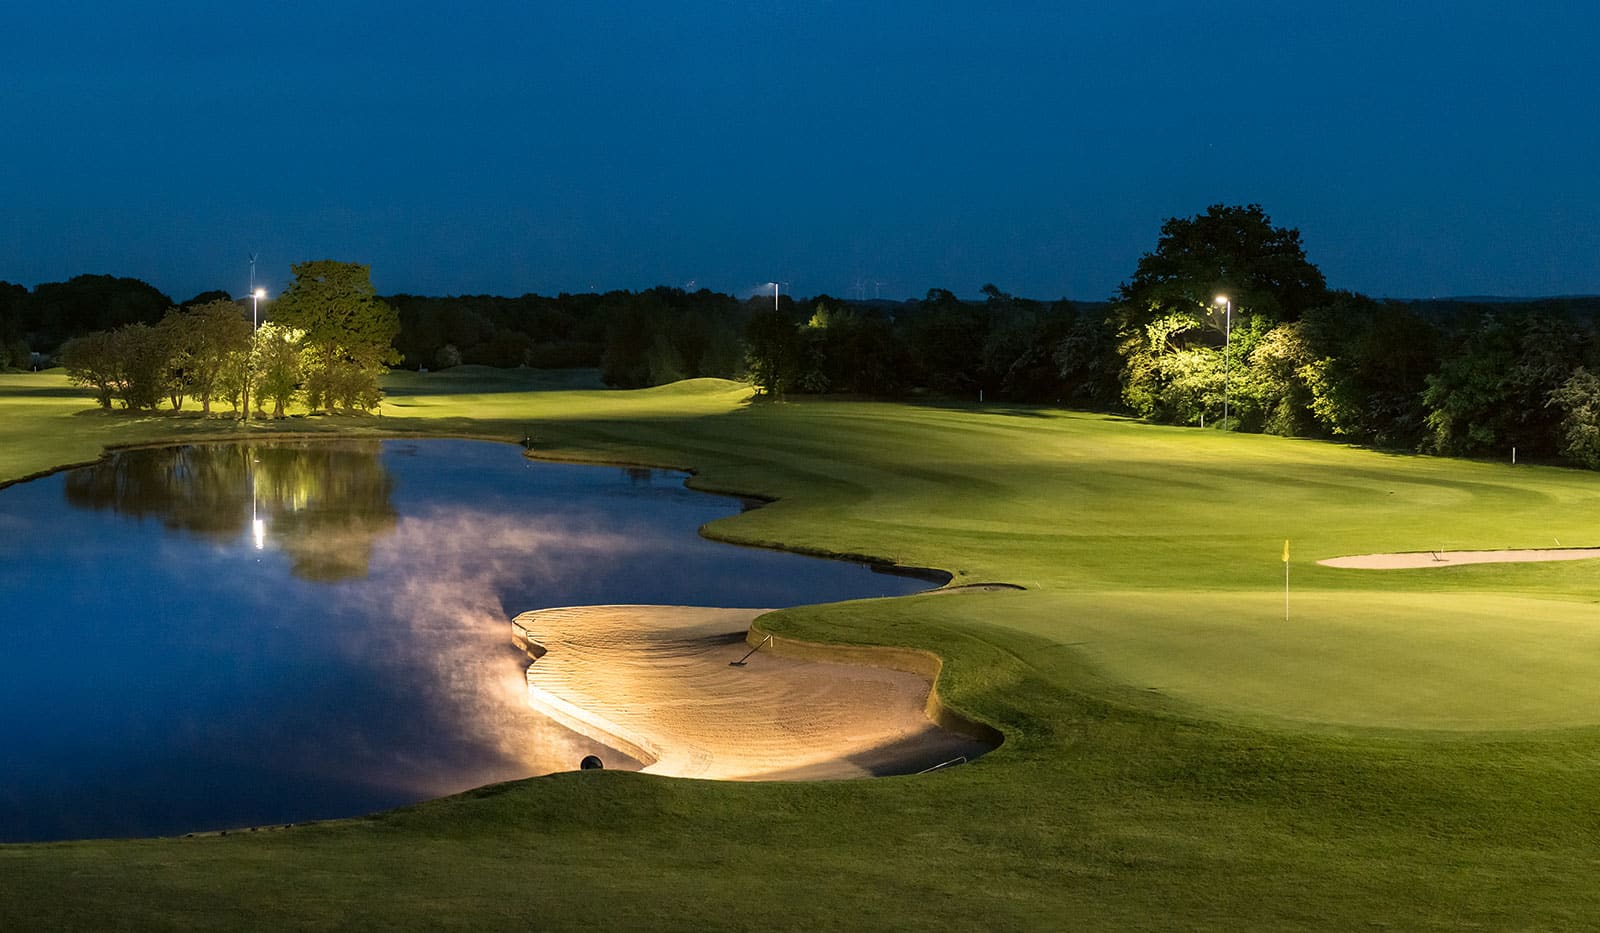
column 256, row 297
column 1220, row 299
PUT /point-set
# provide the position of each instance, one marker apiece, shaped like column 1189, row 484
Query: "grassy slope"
column 1412, row 749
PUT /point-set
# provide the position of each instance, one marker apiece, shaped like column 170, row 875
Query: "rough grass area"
column 1409, row 750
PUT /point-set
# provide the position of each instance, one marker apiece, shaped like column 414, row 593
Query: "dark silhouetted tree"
column 347, row 332
column 773, row 351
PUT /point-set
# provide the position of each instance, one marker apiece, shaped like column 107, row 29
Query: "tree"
column 773, row 348
column 1369, row 362
column 1275, row 385
column 207, row 297
column 1169, row 306
column 626, row 362
column 945, row 337
column 85, row 303
column 14, row 349
column 143, row 354
column 1086, row 360
column 1233, row 251
column 852, row 350
column 1490, row 394
column 204, row 338
column 275, row 359
column 1578, row 399
column 347, row 332
column 91, row 361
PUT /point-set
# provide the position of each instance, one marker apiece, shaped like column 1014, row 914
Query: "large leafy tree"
column 774, row 351
column 1228, row 250
column 1169, row 317
column 93, row 361
column 131, row 363
column 1578, row 399
column 275, row 361
column 1370, row 361
column 348, row 333
column 204, row 338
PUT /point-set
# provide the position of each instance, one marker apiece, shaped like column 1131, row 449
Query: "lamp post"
column 256, row 294
column 1227, row 352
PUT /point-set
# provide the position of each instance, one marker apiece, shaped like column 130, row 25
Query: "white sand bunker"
column 658, row 684
column 1418, row 559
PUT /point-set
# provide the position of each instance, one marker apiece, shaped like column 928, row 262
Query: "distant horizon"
column 975, row 295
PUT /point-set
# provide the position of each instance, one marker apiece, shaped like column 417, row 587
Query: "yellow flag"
column 1286, row 550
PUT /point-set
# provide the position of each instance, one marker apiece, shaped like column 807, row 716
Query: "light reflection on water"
column 163, row 673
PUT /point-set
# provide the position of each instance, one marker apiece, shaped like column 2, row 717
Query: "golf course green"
column 1186, row 749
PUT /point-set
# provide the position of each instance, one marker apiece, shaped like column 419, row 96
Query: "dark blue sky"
column 1422, row 148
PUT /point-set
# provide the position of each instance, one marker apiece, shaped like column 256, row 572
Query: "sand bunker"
column 657, row 683
column 1420, row 559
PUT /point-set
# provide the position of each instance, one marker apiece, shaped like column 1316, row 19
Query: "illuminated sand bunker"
column 1420, row 559
column 658, row 684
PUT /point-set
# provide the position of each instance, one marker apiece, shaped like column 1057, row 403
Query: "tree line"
column 327, row 342
column 1283, row 354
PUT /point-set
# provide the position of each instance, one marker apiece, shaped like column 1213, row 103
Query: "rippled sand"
column 657, row 683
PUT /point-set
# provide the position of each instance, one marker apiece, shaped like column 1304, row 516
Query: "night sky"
column 855, row 148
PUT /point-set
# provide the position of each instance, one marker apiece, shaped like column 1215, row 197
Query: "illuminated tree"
column 276, row 362
column 348, row 334
column 203, row 339
column 1169, row 316
column 1579, row 401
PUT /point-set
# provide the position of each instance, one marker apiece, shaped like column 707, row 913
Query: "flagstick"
column 1285, row 579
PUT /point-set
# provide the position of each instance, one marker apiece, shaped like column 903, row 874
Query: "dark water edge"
column 232, row 635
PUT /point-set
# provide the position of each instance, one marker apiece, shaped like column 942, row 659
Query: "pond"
column 225, row 636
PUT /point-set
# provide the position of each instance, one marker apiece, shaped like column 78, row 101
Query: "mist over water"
column 224, row 636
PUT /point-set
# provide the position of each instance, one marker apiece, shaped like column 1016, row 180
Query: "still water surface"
column 225, row 636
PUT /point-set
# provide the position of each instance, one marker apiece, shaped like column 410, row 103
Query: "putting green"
column 1389, row 660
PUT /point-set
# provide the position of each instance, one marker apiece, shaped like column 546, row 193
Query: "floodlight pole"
column 256, row 294
column 1227, row 353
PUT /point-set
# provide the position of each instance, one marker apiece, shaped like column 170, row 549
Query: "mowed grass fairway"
column 1410, row 750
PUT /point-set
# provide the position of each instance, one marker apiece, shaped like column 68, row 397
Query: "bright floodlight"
column 1220, row 299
